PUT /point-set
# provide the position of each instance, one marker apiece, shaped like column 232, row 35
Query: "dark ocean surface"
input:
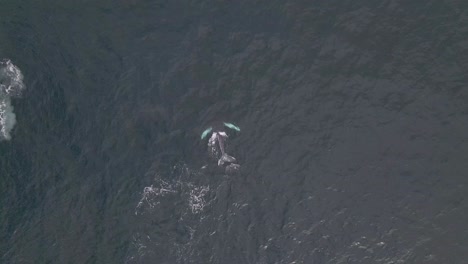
column 353, row 145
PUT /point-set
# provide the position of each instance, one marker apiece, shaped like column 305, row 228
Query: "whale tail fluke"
column 225, row 158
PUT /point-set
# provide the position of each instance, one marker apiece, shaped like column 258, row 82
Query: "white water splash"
column 151, row 195
column 11, row 85
column 193, row 195
column 197, row 198
column 173, row 207
column 7, row 118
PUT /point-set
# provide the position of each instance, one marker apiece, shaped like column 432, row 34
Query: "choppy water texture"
column 353, row 143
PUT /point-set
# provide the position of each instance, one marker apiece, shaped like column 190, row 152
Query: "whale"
column 216, row 144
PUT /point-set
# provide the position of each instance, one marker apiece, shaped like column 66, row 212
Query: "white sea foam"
column 193, row 194
column 151, row 195
column 173, row 207
column 7, row 118
column 197, row 199
column 11, row 85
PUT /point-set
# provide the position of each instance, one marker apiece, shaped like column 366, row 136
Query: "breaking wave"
column 11, row 85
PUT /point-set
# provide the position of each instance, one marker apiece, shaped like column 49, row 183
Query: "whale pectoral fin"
column 232, row 126
column 203, row 135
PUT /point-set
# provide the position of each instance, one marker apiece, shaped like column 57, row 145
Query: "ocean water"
column 352, row 148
